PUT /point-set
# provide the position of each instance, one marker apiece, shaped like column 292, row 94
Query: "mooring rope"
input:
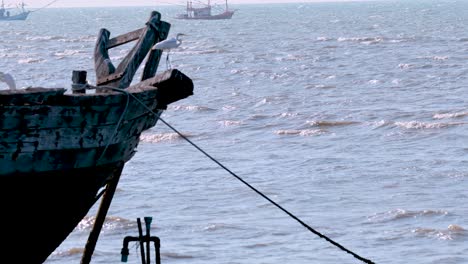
column 269, row 199
column 44, row 6
column 365, row 260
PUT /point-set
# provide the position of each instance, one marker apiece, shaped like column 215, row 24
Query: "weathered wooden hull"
column 58, row 150
column 64, row 132
column 40, row 210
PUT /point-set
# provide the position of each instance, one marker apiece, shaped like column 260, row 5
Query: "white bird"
column 168, row 45
column 8, row 79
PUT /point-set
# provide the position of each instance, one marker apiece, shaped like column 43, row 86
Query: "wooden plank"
column 102, row 64
column 125, row 38
column 30, row 140
column 71, row 117
column 112, row 97
column 109, row 78
column 54, row 160
column 172, row 85
column 74, row 116
column 32, row 91
column 30, row 96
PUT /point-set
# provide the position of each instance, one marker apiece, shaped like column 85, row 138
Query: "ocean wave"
column 116, row 58
column 30, row 60
column 404, row 66
column 440, row 58
column 282, row 115
column 451, row 233
column 45, row 38
column 300, row 132
column 111, row 223
column 175, row 255
column 399, row 214
column 450, row 115
column 396, row 40
column 190, row 108
column 419, row 125
column 68, row 252
column 426, row 66
column 19, row 33
column 426, row 125
column 324, row 39
column 325, row 123
column 229, row 107
column 275, row 76
column 263, row 102
column 259, row 117
column 434, row 57
column 218, row 226
column 201, row 52
column 68, row 52
column 380, row 123
column 156, row 138
column 88, row 38
column 261, row 245
column 320, row 86
column 363, row 40
column 227, row 123
column 6, row 53
column 289, row 57
column 237, row 71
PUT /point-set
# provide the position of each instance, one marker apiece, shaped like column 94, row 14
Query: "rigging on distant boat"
column 205, row 12
column 5, row 14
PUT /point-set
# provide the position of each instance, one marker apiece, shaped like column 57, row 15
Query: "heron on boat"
column 168, row 45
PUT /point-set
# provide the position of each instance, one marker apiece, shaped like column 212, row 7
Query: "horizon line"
column 133, row 4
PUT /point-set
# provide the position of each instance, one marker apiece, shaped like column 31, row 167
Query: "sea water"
column 352, row 116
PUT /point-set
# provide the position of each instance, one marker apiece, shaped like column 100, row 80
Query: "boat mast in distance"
column 5, row 14
column 204, row 12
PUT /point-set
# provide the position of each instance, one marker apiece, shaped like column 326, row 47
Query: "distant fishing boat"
column 6, row 15
column 205, row 12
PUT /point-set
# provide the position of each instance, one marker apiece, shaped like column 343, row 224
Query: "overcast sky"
column 84, row 3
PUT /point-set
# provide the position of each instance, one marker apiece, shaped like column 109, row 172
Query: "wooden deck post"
column 79, row 78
